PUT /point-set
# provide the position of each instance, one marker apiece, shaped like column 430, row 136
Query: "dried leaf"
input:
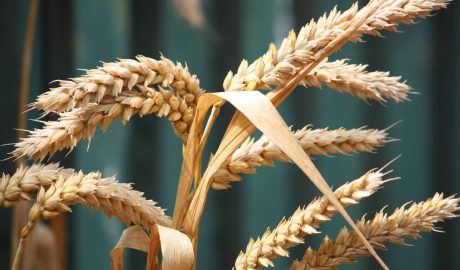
column 176, row 248
column 133, row 237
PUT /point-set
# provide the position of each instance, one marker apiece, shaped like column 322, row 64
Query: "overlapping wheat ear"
column 305, row 221
column 104, row 194
column 403, row 223
column 81, row 123
column 264, row 152
column 277, row 66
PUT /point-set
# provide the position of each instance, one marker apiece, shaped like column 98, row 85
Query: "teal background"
column 80, row 33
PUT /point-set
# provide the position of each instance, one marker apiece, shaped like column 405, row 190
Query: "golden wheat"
column 403, row 223
column 26, row 181
column 104, row 194
column 355, row 80
column 115, row 78
column 264, row 152
column 81, row 123
column 277, row 66
column 305, row 221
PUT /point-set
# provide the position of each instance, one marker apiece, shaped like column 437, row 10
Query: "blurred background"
column 76, row 34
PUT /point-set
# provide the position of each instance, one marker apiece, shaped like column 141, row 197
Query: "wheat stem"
column 403, row 223
column 305, row 221
column 264, row 152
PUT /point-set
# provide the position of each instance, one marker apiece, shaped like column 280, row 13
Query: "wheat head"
column 277, row 66
column 394, row 228
column 264, row 152
column 115, row 78
column 65, row 187
column 81, row 123
column 305, row 221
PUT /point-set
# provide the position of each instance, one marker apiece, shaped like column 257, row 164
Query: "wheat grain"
column 81, row 123
column 403, row 223
column 264, row 152
column 277, row 66
column 116, row 78
column 27, row 180
column 304, row 221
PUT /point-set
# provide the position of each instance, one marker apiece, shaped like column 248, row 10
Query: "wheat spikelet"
column 116, row 78
column 355, row 80
column 264, row 152
column 27, row 180
column 304, row 221
column 81, row 123
column 277, row 66
column 403, row 223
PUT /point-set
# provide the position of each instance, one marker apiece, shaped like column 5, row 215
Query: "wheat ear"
column 81, row 123
column 104, row 194
column 355, row 80
column 264, row 152
column 304, row 221
column 115, row 78
column 27, row 180
column 403, row 223
column 277, row 66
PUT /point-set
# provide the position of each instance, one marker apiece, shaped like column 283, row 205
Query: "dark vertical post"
column 9, row 77
column 143, row 162
column 445, row 98
column 58, row 64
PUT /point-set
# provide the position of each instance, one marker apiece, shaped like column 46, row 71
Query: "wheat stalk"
column 27, row 180
column 81, row 123
column 305, row 221
column 264, row 152
column 277, row 66
column 104, row 194
column 116, row 78
column 403, row 223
